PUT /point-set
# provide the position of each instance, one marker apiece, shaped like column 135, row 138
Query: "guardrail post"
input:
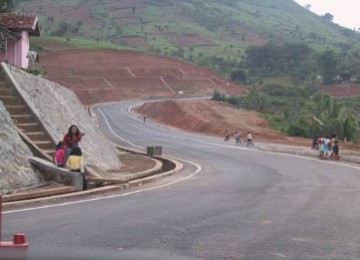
column 17, row 249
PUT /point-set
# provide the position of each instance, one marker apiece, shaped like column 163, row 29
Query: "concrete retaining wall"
column 58, row 107
column 15, row 170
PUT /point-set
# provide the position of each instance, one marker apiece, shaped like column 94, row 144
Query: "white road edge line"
column 199, row 168
column 115, row 134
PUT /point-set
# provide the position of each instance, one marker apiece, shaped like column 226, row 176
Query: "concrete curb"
column 178, row 167
column 112, row 188
column 157, row 168
column 32, row 202
column 44, row 193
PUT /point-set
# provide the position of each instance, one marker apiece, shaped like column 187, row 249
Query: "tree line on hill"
column 302, row 112
column 301, row 62
column 297, row 109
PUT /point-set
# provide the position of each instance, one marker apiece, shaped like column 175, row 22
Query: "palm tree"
column 326, row 115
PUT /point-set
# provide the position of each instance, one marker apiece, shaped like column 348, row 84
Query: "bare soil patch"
column 111, row 75
column 342, row 90
column 132, row 163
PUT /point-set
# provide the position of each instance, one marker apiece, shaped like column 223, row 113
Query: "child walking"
column 59, row 156
column 75, row 163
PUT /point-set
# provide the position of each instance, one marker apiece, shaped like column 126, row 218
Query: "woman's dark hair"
column 70, row 134
column 76, row 151
column 59, row 145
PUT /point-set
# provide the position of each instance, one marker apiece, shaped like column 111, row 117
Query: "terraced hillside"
column 112, row 75
column 189, row 28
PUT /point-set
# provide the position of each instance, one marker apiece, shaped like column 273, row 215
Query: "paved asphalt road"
column 244, row 204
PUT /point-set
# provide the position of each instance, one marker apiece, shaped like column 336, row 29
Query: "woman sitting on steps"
column 72, row 139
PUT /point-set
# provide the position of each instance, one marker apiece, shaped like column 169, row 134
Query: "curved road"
column 243, row 204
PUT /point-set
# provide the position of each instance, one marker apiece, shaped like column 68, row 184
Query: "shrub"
column 218, row 96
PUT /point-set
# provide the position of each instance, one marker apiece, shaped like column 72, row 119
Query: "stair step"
column 29, row 127
column 37, row 136
column 11, row 100
column 24, row 118
column 45, row 145
column 16, row 109
column 49, row 152
column 7, row 92
column 3, row 84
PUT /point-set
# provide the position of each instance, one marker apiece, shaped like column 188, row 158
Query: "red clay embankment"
column 213, row 118
column 111, row 75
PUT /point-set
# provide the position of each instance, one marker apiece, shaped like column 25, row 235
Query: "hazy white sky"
column 345, row 12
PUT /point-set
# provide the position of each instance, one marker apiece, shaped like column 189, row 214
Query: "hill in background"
column 189, row 28
column 282, row 51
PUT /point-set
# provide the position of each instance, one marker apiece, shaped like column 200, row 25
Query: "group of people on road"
column 328, row 147
column 247, row 141
column 68, row 152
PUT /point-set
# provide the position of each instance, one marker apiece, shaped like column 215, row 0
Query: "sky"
column 345, row 12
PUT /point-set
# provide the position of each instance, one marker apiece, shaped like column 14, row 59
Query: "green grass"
column 84, row 44
column 285, row 81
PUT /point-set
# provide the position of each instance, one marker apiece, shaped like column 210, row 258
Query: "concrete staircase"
column 24, row 118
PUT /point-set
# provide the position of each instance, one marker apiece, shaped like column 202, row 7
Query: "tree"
column 271, row 59
column 328, row 63
column 328, row 17
column 255, row 100
column 79, row 23
column 6, row 6
column 218, row 96
column 325, row 115
column 238, row 76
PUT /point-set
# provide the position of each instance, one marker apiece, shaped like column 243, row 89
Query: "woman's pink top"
column 60, row 156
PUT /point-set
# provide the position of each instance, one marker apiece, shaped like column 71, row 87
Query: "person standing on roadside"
column 249, row 140
column 237, row 137
column 315, row 144
column 335, row 151
column 72, row 139
column 227, row 135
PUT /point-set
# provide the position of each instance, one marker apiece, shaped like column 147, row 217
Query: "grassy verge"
column 81, row 43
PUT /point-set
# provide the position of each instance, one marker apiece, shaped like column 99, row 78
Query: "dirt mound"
column 210, row 117
column 112, row 75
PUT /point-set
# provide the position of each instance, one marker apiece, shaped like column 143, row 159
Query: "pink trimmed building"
column 16, row 30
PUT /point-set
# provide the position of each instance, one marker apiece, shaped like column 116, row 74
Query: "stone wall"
column 57, row 108
column 15, row 169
